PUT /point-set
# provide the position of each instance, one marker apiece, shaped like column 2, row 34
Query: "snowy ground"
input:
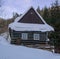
column 8, row 51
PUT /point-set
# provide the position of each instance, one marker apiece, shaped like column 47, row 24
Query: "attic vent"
column 31, row 13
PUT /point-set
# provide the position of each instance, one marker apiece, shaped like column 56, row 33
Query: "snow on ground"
column 3, row 41
column 8, row 51
column 4, row 35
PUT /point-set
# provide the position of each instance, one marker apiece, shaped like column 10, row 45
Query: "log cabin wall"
column 15, row 35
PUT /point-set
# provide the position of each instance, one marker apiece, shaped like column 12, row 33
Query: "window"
column 14, row 35
column 36, row 36
column 24, row 36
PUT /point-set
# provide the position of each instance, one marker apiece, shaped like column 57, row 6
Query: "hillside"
column 4, row 24
column 8, row 51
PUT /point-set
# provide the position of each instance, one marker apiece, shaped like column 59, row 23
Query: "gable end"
column 31, row 17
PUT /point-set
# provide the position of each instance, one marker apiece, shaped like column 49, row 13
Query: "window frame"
column 36, row 37
column 24, row 36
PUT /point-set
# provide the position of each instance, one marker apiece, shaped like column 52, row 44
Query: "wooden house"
column 29, row 28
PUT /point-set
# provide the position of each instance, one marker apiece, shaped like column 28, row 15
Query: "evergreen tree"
column 55, row 21
column 55, row 12
column 46, row 15
column 38, row 9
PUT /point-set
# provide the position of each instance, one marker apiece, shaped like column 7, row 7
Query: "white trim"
column 36, row 36
column 24, row 36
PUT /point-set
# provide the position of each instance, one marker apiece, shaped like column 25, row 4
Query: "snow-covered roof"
column 30, row 27
column 18, row 26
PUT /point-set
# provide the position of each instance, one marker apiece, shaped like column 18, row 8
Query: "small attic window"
column 31, row 13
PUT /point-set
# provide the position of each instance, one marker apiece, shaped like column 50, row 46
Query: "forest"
column 52, row 17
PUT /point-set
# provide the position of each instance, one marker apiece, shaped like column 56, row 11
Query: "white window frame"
column 24, row 36
column 36, row 36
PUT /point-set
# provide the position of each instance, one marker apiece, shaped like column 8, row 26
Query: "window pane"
column 36, row 37
column 24, row 36
column 15, row 34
